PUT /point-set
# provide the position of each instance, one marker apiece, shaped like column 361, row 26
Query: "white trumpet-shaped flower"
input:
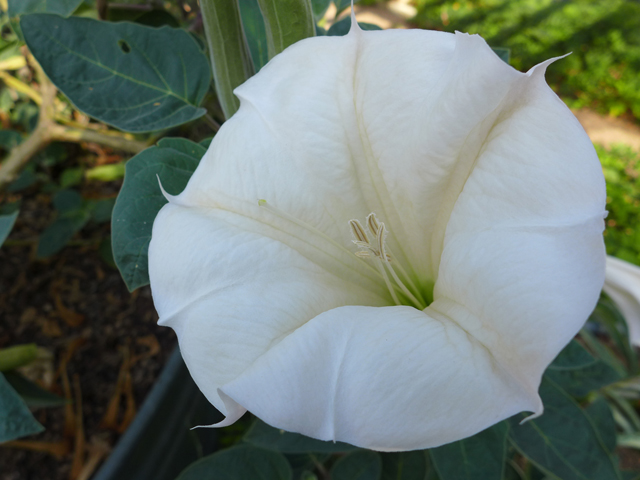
column 387, row 244
column 622, row 284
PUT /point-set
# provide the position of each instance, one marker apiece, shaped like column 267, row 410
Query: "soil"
column 100, row 344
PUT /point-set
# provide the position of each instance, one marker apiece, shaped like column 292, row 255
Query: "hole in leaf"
column 124, row 46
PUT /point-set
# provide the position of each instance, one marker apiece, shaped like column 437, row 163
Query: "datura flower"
column 622, row 284
column 386, row 245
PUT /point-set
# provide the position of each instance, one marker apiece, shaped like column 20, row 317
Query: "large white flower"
column 622, row 284
column 488, row 200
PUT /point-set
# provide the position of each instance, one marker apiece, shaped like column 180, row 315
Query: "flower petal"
column 523, row 248
column 391, row 378
column 231, row 294
column 622, row 284
column 329, row 130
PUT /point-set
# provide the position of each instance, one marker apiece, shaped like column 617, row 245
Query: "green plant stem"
column 215, row 126
column 69, row 134
column 17, row 356
column 286, row 22
column 230, row 58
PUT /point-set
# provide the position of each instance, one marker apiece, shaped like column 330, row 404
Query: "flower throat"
column 376, row 250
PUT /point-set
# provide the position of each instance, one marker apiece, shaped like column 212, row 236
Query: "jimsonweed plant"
column 388, row 246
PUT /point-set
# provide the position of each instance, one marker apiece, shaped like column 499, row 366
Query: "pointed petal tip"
column 233, row 408
column 537, row 411
column 165, row 194
column 541, row 68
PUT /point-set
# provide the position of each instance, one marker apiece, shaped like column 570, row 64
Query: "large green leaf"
column 133, row 77
column 263, row 435
column 565, row 440
column 578, row 372
column 360, row 465
column 15, row 418
column 140, row 200
column 33, row 395
column 481, row 457
column 6, row 224
column 600, row 414
column 404, row 466
column 242, row 462
column 60, row 7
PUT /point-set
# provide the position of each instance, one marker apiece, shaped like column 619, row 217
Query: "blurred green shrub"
column 604, row 35
column 621, row 167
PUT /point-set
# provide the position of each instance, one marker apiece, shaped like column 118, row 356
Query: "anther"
column 373, row 224
column 358, row 232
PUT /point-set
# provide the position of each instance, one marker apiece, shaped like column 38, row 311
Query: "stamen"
column 382, row 236
column 357, row 230
column 373, row 224
column 381, row 255
column 387, row 282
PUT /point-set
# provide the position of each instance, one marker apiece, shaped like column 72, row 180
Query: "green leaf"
column 15, row 418
column 60, row 7
column 404, row 465
column 140, row 200
column 106, row 173
column 71, row 177
column 133, row 77
column 106, row 252
column 228, row 50
column 564, row 441
column 239, row 463
column 600, row 414
column 17, row 356
column 9, row 139
column 101, row 210
column 26, row 179
column 6, row 224
column 571, row 357
column 58, row 234
column 33, row 395
column 342, row 4
column 607, row 315
column 303, row 464
column 67, row 201
column 286, row 22
column 576, row 371
column 480, row 457
column 360, row 465
column 320, row 7
column 343, row 26
column 255, row 32
column 265, row 436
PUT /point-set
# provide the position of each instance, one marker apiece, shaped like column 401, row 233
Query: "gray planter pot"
column 159, row 443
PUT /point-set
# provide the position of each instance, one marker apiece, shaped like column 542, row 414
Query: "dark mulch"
column 75, row 299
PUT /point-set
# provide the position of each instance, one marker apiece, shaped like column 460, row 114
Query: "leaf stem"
column 48, row 131
column 215, row 126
